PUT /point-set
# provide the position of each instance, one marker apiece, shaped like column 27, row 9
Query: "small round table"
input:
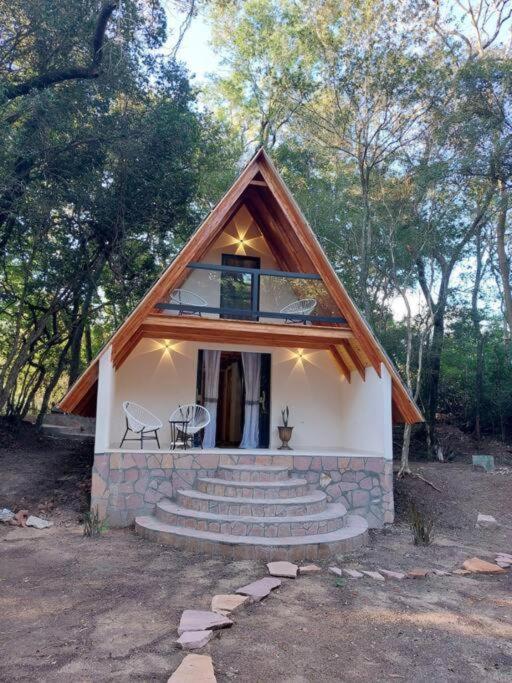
column 178, row 426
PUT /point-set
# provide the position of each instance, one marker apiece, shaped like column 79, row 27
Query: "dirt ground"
column 75, row 609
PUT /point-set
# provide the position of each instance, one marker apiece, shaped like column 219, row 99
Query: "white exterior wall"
column 366, row 413
column 274, row 294
column 104, row 401
column 325, row 411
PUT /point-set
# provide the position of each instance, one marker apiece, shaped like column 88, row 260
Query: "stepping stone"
column 478, row 566
column 194, row 669
column 486, row 522
column 505, row 557
column 225, row 604
column 201, row 620
column 193, row 640
column 440, row 572
column 353, row 573
column 309, row 569
column 285, row 569
column 392, row 575
column 418, row 573
column 335, row 570
column 373, row 575
column 258, row 590
column 502, row 564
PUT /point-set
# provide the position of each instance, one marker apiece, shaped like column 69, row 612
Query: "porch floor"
column 308, row 452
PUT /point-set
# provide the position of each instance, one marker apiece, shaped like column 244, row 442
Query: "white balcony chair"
column 302, row 307
column 140, row 420
column 187, row 421
column 184, row 298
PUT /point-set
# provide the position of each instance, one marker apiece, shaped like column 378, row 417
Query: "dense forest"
column 390, row 120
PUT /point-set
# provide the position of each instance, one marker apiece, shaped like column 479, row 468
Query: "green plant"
column 421, row 526
column 340, row 583
column 93, row 525
column 285, row 414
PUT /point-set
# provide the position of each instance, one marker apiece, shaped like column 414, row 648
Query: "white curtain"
column 252, row 371
column 211, row 361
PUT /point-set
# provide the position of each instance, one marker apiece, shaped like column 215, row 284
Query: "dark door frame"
column 265, row 388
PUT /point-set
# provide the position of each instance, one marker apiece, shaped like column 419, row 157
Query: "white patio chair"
column 187, row 421
column 140, row 420
column 185, row 298
column 302, row 307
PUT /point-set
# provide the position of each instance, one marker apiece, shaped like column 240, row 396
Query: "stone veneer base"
column 128, row 485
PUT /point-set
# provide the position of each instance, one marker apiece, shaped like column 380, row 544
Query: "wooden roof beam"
column 340, row 362
column 350, row 351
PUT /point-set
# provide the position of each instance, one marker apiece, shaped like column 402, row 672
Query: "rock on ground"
column 335, row 570
column 417, row 573
column 202, row 620
column 309, row 569
column 392, row 575
column 194, row 669
column 486, row 522
column 478, row 566
column 353, row 573
column 193, row 640
column 287, row 570
column 258, row 590
column 225, row 604
column 373, row 575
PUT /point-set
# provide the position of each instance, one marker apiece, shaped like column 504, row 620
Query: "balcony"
column 253, row 294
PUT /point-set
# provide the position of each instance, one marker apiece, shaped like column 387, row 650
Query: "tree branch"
column 91, row 71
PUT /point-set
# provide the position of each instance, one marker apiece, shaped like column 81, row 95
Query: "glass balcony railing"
column 240, row 293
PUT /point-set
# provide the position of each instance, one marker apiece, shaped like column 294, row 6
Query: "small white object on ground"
column 226, row 604
column 284, row 569
column 6, row 514
column 335, row 570
column 440, row 572
column 38, row 522
column 392, row 575
column 374, row 575
column 202, row 620
column 309, row 569
column 353, row 573
column 257, row 590
column 193, row 640
column 194, row 669
column 486, row 522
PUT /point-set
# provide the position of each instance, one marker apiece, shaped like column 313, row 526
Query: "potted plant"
column 285, row 432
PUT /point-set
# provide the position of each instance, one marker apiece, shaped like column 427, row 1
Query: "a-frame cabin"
column 249, row 318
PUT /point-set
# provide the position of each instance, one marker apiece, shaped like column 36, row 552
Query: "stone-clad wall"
column 125, row 485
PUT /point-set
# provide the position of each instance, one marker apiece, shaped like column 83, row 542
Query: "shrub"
column 93, row 525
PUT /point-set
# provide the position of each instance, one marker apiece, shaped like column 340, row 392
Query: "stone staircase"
column 72, row 427
column 254, row 512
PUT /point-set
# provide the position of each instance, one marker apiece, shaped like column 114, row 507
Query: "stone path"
column 196, row 626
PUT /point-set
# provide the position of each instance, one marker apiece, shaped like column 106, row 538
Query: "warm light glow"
column 237, row 235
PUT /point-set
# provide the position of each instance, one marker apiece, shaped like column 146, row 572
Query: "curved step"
column 294, row 548
column 314, row 501
column 253, row 472
column 330, row 519
column 289, row 488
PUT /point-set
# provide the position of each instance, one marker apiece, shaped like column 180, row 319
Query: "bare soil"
column 76, row 609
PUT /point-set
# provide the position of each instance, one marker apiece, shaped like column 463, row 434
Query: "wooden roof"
column 296, row 248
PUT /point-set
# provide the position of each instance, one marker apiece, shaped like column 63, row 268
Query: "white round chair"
column 302, row 307
column 140, row 420
column 187, row 421
column 185, row 298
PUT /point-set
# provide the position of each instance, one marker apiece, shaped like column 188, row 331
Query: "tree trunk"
column 503, row 258
column 479, row 339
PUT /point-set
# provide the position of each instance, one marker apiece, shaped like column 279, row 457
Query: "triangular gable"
column 296, row 248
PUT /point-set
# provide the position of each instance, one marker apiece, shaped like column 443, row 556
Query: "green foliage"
column 93, row 525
